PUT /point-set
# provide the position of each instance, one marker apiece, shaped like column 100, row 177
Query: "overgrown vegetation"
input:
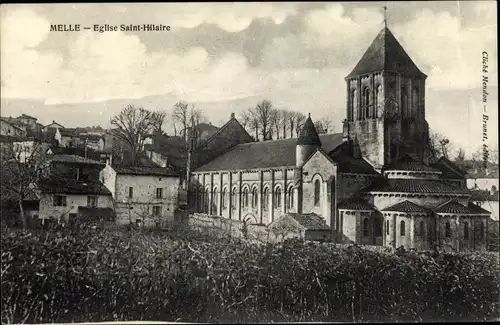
column 102, row 274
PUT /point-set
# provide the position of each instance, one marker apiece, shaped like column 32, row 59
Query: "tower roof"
column 386, row 54
column 308, row 134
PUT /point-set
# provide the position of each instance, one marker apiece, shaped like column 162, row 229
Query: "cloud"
column 447, row 50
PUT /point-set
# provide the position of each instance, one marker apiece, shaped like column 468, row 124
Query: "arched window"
column 402, row 229
column 447, row 229
column 234, row 198
column 466, row 230
column 379, row 225
column 290, row 197
column 365, row 103
column 481, row 230
column 366, row 227
column 378, row 100
column 404, row 101
column 244, row 199
column 317, row 192
column 265, row 199
column 352, row 105
column 214, row 200
column 277, row 197
column 255, row 197
column 421, row 229
column 224, row 198
column 387, row 227
column 416, row 99
column 206, row 200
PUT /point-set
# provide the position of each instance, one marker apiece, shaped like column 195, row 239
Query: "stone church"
column 372, row 184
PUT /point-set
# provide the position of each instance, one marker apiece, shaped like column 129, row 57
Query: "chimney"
column 232, row 115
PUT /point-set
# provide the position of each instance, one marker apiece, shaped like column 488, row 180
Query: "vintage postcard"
column 249, row 162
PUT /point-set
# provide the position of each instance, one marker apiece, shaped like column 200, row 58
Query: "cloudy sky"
column 226, row 57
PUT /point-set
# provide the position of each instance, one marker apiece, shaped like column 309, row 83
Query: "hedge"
column 104, row 275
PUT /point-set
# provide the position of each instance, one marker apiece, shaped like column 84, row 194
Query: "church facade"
column 372, row 184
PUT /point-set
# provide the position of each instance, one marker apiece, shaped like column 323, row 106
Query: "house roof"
column 147, row 171
column 72, row 186
column 11, row 122
column 74, row 159
column 68, row 132
column 385, row 53
column 408, row 163
column 407, row 206
column 54, row 122
column 265, row 154
column 310, row 221
column 308, row 134
column 414, row 186
column 355, row 204
column 28, row 117
column 90, row 137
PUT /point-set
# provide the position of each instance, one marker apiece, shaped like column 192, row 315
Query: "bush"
column 101, row 275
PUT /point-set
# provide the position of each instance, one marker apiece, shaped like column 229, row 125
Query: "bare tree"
column 158, row 122
column 265, row 114
column 21, row 172
column 298, row 121
column 185, row 116
column 133, row 125
column 438, row 145
column 286, row 116
column 250, row 121
column 323, row 125
column 278, row 121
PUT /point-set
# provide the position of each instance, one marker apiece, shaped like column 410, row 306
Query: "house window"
column 92, row 201
column 138, row 222
column 255, row 197
column 466, row 230
column 366, row 227
column 387, row 227
column 447, row 229
column 317, row 192
column 156, row 210
column 379, row 225
column 290, row 197
column 206, row 198
column 421, row 229
column 245, row 198
column 265, row 202
column 59, row 200
column 402, row 229
column 130, row 192
column 159, row 193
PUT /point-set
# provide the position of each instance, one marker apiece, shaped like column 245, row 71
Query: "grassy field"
column 103, row 275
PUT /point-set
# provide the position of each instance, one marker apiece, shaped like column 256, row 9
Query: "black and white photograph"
column 249, row 162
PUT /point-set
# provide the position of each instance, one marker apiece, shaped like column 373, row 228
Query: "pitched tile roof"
column 477, row 209
column 265, row 154
column 448, row 169
column 308, row 134
column 355, row 204
column 408, row 163
column 385, row 54
column 453, row 206
column 28, row 117
column 407, row 206
column 72, row 186
column 74, row 159
column 310, row 221
column 414, row 186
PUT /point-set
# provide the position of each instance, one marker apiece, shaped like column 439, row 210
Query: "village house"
column 72, row 191
column 8, row 127
column 22, row 148
column 52, row 127
column 144, row 195
column 372, row 184
column 30, row 121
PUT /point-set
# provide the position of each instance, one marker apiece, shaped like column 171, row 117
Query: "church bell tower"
column 386, row 103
